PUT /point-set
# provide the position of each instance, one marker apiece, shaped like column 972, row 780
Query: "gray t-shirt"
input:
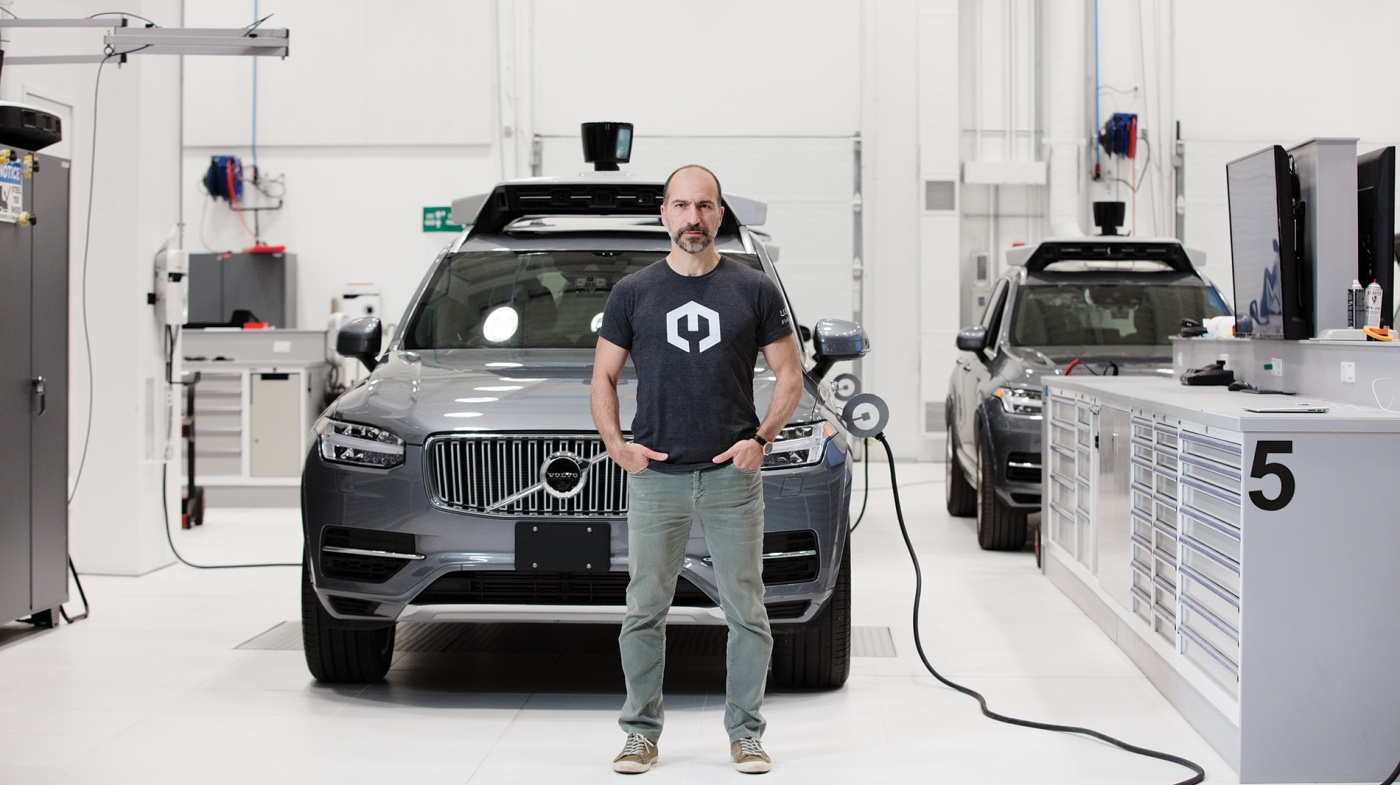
column 694, row 341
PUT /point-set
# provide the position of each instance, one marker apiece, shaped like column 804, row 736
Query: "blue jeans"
column 728, row 502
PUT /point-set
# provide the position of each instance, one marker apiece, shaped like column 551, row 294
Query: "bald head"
column 666, row 191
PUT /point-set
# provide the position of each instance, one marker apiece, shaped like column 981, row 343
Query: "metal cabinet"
column 1259, row 566
column 34, row 391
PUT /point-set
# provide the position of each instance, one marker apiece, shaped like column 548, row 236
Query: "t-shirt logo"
column 691, row 313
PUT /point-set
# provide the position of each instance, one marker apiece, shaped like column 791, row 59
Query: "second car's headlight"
column 799, row 445
column 359, row 445
column 1017, row 400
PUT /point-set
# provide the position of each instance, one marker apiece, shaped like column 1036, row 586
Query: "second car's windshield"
column 1107, row 314
column 514, row 299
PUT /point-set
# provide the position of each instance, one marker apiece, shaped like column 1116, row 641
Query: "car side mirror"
column 836, row 340
column 805, row 333
column 972, row 339
column 360, row 339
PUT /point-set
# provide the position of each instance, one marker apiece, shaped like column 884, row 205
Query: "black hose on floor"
column 1200, row 773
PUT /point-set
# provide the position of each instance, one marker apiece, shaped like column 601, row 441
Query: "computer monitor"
column 1271, row 300
column 1375, row 217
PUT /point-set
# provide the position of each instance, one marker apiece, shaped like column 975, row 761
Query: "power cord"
column 165, row 506
column 1200, row 773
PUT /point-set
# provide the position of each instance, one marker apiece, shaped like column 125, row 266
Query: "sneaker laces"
column 637, row 744
column 750, row 747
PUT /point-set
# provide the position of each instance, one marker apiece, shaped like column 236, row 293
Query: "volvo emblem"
column 563, row 474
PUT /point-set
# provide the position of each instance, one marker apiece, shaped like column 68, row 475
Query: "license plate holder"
column 563, row 547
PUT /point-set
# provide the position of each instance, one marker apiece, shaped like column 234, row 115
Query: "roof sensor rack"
column 605, row 145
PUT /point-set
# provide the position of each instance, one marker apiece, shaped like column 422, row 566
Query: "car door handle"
column 41, row 393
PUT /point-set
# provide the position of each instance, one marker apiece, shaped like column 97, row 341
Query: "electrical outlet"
column 1349, row 373
column 1275, row 366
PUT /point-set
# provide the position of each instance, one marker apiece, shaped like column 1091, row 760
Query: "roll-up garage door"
column 808, row 182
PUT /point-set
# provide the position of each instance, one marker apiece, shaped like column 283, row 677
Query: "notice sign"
column 439, row 219
column 11, row 192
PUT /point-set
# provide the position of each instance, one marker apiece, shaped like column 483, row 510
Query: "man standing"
column 694, row 323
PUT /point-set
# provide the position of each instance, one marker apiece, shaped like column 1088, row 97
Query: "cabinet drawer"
column 1212, row 474
column 1061, row 435
column 1166, row 436
column 1211, row 630
column 1164, row 540
column 1143, row 452
column 1164, row 514
column 1164, row 596
column 1142, row 581
column 1142, row 430
column 1142, row 502
column 1143, row 477
column 1207, row 595
column 1166, row 485
column 1061, row 409
column 1164, row 568
column 1211, row 502
column 1164, row 626
column 1217, row 569
column 1142, row 554
column 1082, row 466
column 1061, row 463
column 1061, row 493
column 1225, row 453
column 1081, row 437
column 1218, row 537
column 1142, row 605
column 1142, row 528
column 1062, row 528
column 1085, row 499
column 1083, row 414
column 1211, row 662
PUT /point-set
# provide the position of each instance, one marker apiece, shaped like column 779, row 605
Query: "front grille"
column 787, row 610
column 499, row 587
column 1023, row 467
column 801, row 566
column 476, row 473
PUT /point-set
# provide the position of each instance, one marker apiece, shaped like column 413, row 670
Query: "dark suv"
column 463, row 480
column 1105, row 305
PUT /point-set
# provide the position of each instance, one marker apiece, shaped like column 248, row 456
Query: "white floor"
column 152, row 689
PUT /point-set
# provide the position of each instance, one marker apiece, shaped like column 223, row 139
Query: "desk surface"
column 1219, row 407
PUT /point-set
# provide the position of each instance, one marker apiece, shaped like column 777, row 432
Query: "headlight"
column 1019, row 401
column 799, row 445
column 359, row 445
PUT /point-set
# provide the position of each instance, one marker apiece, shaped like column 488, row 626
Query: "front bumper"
column 462, row 566
column 1015, row 448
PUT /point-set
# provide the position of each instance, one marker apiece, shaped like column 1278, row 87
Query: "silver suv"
column 463, row 479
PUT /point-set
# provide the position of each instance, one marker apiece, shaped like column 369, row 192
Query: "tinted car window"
column 1106, row 314
column 493, row 299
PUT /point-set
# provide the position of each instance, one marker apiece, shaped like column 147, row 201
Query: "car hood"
column 1025, row 365
column 416, row 394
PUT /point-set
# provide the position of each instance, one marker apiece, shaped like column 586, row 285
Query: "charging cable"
column 1200, row 773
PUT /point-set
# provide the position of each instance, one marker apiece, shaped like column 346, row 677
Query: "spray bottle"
column 1356, row 305
column 1373, row 305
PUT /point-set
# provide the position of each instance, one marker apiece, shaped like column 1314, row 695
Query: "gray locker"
column 34, row 397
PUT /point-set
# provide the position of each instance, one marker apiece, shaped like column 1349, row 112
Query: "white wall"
column 115, row 520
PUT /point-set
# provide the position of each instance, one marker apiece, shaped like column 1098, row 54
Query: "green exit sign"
column 439, row 219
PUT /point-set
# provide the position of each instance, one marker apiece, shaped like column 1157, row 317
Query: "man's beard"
column 692, row 246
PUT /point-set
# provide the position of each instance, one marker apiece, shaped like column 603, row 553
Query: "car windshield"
column 530, row 300
column 1108, row 314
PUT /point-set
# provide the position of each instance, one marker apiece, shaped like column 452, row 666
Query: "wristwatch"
column 764, row 443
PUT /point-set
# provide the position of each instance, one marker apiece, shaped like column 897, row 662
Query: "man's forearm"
column 786, row 393
column 603, row 400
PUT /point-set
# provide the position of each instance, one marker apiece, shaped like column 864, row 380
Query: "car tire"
column 818, row 656
column 341, row 656
column 959, row 494
column 999, row 528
